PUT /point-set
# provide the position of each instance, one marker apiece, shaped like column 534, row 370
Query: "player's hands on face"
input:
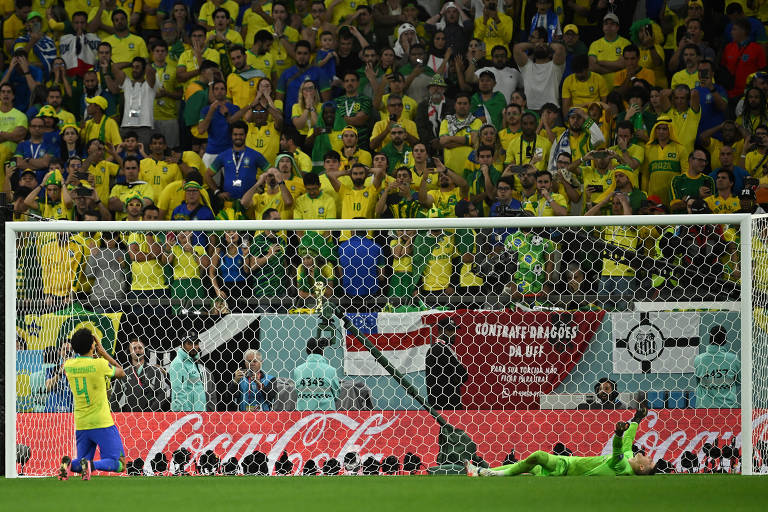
column 621, row 427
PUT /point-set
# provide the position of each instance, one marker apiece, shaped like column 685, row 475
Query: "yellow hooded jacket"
column 663, row 163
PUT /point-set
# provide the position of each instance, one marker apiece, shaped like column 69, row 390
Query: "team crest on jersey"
column 266, row 62
column 266, row 132
column 671, row 155
column 165, row 170
column 365, row 194
column 608, row 181
column 246, row 161
column 251, row 83
column 591, row 89
column 321, row 210
column 166, row 76
column 618, row 51
column 131, row 46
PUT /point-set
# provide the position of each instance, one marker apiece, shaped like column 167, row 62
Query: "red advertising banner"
column 513, row 357
column 319, row 436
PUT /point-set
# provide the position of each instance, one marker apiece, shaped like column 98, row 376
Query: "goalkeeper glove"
column 640, row 413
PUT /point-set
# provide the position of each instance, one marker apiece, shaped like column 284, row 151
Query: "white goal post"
column 565, row 393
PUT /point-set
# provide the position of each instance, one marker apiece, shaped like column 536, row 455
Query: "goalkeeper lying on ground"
column 620, row 463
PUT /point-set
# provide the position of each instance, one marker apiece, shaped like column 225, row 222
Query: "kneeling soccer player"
column 620, row 463
column 94, row 425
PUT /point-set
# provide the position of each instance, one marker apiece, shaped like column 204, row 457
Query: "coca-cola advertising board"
column 665, row 433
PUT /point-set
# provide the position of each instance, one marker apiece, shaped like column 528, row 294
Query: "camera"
column 81, row 175
column 249, row 374
column 597, row 188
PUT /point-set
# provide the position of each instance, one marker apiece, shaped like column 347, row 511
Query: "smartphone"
column 597, row 188
column 430, row 162
column 81, row 175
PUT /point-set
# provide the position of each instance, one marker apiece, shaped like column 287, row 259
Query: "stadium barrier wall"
column 321, row 436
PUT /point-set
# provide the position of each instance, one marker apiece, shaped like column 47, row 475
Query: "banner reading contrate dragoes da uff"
column 513, row 357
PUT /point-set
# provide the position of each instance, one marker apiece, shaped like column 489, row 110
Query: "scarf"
column 549, row 21
column 455, row 125
column 563, row 143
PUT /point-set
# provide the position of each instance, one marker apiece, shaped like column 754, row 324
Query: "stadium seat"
column 656, row 399
column 676, row 400
column 285, row 391
column 354, row 395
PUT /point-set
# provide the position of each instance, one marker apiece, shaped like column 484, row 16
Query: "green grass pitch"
column 414, row 493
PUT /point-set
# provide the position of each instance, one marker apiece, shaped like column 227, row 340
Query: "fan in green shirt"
column 621, row 462
column 268, row 251
column 689, row 184
column 487, row 103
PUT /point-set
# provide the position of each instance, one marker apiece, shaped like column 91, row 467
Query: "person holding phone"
column 598, row 177
column 254, row 386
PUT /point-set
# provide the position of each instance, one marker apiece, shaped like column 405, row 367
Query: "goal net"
column 394, row 346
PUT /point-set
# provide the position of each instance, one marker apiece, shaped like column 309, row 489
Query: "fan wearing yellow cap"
column 350, row 152
column 99, row 126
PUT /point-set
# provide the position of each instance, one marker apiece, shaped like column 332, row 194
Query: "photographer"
column 254, row 386
column 754, row 157
column 144, row 388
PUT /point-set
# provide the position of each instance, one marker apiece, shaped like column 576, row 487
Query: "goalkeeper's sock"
column 112, row 465
column 517, row 468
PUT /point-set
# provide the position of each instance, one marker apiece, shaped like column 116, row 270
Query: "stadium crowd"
column 177, row 109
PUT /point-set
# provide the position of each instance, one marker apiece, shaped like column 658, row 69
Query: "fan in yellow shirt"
column 583, row 87
column 605, row 54
column 685, row 114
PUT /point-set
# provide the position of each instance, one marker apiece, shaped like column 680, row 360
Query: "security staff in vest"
column 718, row 373
column 317, row 382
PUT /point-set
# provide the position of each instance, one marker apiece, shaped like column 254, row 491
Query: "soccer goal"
column 398, row 346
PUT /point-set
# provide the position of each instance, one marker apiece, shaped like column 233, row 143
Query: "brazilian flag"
column 51, row 329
